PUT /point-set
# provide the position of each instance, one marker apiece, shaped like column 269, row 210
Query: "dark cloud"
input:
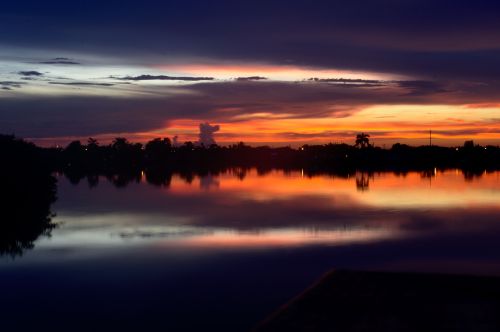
column 81, row 115
column 162, row 78
column 427, row 39
column 414, row 87
column 161, row 234
column 82, row 83
column 229, row 101
column 351, row 83
column 30, row 73
column 251, row 78
column 347, row 81
column 11, row 84
column 417, row 88
column 60, row 61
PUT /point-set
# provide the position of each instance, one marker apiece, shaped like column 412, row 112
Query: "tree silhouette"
column 157, row 150
column 125, row 155
column 92, row 144
column 120, row 144
column 27, row 190
column 362, row 140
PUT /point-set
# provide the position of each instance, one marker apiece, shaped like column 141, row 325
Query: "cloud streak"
column 60, row 61
column 223, row 102
column 163, row 78
column 251, row 78
column 82, row 83
column 9, row 85
column 30, row 73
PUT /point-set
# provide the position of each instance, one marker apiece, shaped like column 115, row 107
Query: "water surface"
column 221, row 251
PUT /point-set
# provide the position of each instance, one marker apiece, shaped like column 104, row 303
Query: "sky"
column 266, row 72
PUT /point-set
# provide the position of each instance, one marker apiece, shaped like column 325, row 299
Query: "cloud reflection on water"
column 276, row 209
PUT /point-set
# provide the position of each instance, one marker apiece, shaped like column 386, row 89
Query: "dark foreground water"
column 222, row 252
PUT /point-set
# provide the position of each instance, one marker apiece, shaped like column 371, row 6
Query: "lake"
column 221, row 252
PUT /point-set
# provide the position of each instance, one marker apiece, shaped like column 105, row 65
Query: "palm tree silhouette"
column 362, row 140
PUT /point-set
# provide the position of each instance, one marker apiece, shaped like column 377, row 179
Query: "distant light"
column 346, row 156
column 456, row 149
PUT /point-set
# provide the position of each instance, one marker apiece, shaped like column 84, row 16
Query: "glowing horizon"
column 451, row 125
column 285, row 82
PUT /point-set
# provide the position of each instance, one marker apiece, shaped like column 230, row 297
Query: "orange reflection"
column 246, row 209
column 413, row 190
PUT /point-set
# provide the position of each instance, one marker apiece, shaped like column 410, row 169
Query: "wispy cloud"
column 347, row 80
column 9, row 85
column 162, row 78
column 30, row 73
column 82, row 83
column 251, row 78
column 417, row 88
column 60, row 61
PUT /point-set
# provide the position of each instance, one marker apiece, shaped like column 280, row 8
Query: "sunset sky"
column 268, row 72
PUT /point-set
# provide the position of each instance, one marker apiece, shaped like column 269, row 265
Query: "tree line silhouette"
column 122, row 155
column 28, row 187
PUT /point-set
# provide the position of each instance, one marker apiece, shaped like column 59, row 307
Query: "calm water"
column 222, row 252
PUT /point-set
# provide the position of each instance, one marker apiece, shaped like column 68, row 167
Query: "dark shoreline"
column 160, row 156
